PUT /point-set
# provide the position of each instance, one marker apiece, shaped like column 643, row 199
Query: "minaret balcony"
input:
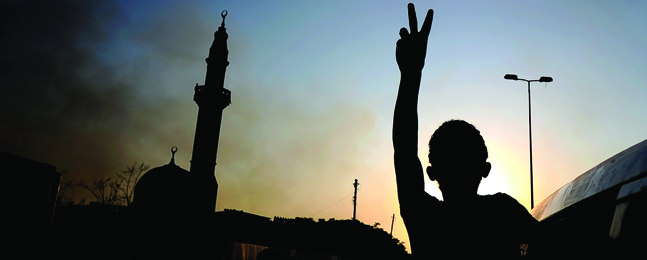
column 210, row 96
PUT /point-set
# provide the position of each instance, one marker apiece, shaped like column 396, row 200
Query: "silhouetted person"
column 465, row 224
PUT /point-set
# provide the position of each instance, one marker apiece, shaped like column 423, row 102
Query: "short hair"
column 457, row 137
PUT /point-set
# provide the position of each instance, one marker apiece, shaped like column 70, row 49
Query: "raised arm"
column 410, row 54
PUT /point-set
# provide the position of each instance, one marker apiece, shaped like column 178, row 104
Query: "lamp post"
column 541, row 79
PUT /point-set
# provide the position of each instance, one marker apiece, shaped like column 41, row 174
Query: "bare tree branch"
column 129, row 178
column 118, row 190
column 104, row 191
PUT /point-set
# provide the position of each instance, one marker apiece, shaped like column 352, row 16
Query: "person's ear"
column 431, row 173
column 486, row 169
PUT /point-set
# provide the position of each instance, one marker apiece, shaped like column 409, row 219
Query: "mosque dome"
column 163, row 187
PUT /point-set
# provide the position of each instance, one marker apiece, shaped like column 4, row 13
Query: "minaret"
column 212, row 98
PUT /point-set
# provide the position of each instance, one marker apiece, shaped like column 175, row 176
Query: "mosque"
column 195, row 190
column 175, row 208
column 179, row 205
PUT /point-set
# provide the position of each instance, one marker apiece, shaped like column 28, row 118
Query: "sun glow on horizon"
column 510, row 172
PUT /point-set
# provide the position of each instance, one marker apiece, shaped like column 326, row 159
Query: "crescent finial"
column 173, row 151
column 224, row 15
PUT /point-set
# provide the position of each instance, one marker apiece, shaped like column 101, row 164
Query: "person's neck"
column 459, row 198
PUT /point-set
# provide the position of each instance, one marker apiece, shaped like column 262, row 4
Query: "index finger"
column 426, row 25
column 413, row 20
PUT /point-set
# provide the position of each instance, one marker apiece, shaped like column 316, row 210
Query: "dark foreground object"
column 601, row 213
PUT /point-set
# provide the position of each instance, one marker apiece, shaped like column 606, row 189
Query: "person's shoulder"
column 501, row 197
column 504, row 201
column 510, row 206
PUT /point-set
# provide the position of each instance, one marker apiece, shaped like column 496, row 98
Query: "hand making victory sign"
column 410, row 54
column 412, row 47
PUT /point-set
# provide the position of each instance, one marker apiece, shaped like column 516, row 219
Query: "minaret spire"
column 212, row 98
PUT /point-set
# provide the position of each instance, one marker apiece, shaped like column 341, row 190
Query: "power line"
column 312, row 215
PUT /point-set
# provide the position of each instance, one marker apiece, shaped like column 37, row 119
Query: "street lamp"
column 541, row 79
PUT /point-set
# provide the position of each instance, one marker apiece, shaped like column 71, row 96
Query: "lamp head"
column 510, row 77
column 545, row 79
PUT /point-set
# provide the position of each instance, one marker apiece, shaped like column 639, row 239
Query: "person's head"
column 458, row 155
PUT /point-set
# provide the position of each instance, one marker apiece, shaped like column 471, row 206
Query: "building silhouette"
column 33, row 187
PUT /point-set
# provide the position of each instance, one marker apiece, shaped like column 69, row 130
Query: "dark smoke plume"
column 60, row 102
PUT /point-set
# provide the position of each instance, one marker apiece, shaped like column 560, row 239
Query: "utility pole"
column 355, row 200
column 392, row 220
